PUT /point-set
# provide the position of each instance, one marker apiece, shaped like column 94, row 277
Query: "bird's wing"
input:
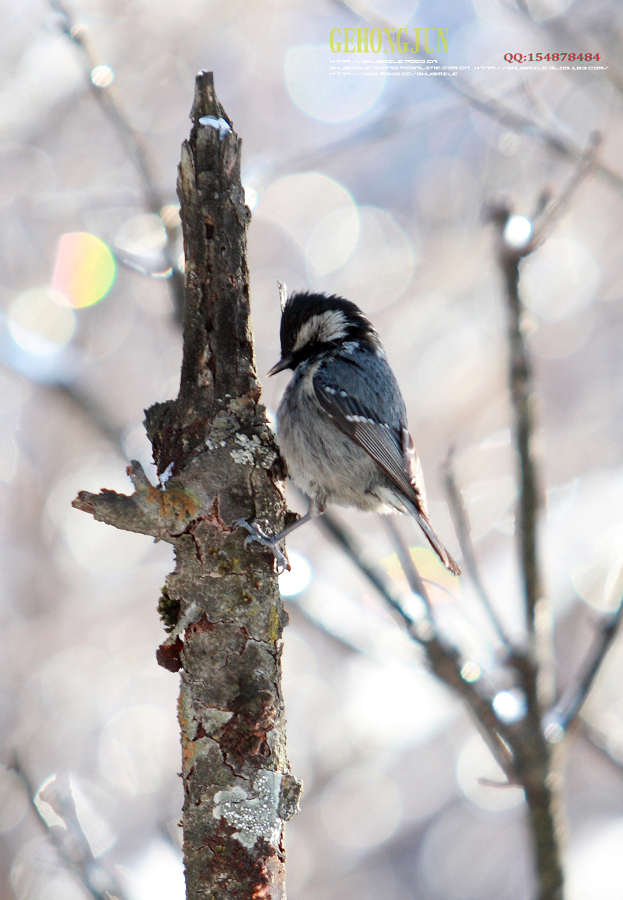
column 388, row 443
column 414, row 467
column 389, row 446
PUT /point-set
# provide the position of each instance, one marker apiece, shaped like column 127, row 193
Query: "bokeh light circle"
column 510, row 706
column 94, row 546
column 379, row 268
column 158, row 874
column 542, row 10
column 599, row 581
column 102, row 76
column 563, row 338
column 85, row 269
column 517, row 231
column 250, row 196
column 40, row 322
column 299, row 202
column 170, row 215
column 133, row 748
column 446, row 187
column 324, row 96
column 298, row 578
column 332, row 241
column 467, row 855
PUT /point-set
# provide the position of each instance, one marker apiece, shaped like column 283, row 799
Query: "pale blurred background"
column 369, row 186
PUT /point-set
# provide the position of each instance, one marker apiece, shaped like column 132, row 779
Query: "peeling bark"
column 221, row 605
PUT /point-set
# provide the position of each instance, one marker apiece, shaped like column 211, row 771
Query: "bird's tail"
column 426, row 526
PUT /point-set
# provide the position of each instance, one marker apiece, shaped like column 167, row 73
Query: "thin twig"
column 570, row 706
column 521, row 390
column 443, row 660
column 375, row 574
column 553, row 211
column 521, row 384
column 445, row 663
column 414, row 579
column 492, row 107
column 559, row 32
column 71, row 844
column 131, row 140
column 463, row 533
column 531, row 752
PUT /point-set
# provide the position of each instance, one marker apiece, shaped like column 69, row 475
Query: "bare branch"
column 463, row 532
column 375, row 574
column 133, row 142
column 150, row 510
column 532, row 754
column 493, row 107
column 521, row 389
column 414, row 579
column 521, row 382
column 565, row 37
column 586, row 164
column 443, row 660
column 569, row 706
column 70, row 843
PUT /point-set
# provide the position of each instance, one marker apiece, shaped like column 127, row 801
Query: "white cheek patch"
column 323, row 328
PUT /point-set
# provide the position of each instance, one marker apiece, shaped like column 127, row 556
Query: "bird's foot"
column 257, row 534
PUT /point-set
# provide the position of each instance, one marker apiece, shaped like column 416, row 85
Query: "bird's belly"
column 323, row 462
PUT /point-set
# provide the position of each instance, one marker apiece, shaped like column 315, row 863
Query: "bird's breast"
column 323, row 461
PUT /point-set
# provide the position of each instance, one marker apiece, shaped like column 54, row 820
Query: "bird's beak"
column 284, row 363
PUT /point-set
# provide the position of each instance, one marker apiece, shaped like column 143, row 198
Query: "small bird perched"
column 342, row 422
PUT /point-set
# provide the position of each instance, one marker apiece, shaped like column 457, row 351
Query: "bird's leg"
column 257, row 534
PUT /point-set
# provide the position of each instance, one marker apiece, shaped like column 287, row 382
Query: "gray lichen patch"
column 242, row 457
column 252, row 450
column 254, row 815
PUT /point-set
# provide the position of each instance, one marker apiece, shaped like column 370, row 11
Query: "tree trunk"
column 218, row 463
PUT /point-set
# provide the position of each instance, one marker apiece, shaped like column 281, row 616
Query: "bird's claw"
column 256, row 534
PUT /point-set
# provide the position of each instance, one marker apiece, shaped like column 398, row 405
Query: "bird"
column 342, row 422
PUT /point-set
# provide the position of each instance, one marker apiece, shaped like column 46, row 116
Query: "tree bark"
column 218, row 463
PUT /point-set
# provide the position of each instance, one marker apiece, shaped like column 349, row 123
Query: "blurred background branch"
column 488, row 105
column 54, row 806
column 399, row 784
column 99, row 79
column 461, row 524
